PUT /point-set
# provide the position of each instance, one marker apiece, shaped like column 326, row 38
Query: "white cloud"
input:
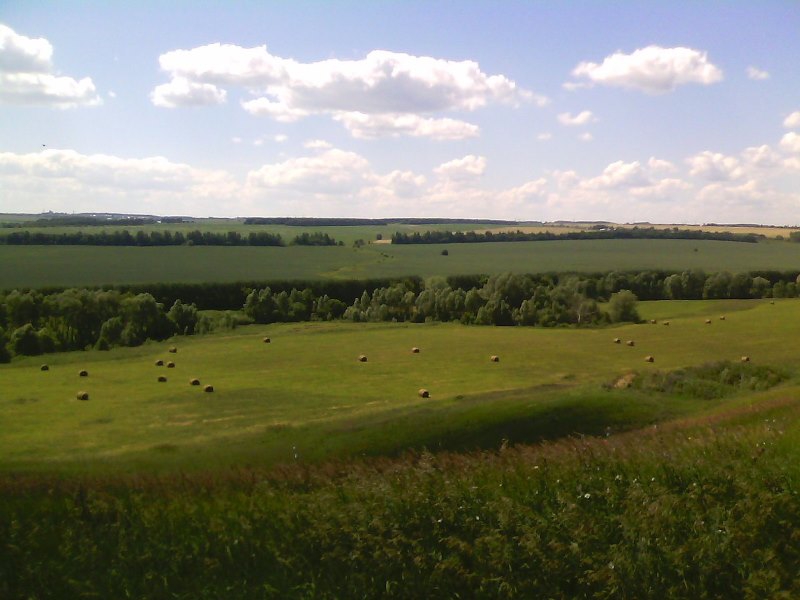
column 757, row 74
column 544, row 136
column 182, row 92
column 331, row 172
column 714, row 166
column 280, row 138
column 792, row 121
column 618, row 175
column 317, row 145
column 582, row 118
column 658, row 164
column 469, row 167
column 58, row 178
column 392, row 85
column 26, row 75
column 791, row 142
column 654, row 70
column 366, row 126
column 762, row 157
column 586, row 137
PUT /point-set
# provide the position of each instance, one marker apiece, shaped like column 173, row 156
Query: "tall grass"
column 704, row 508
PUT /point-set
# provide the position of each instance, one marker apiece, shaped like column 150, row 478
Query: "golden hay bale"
column 772, row 301
column 83, row 373
column 170, row 365
column 267, row 340
column 495, row 358
column 194, row 382
column 159, row 363
column 745, row 359
column 722, row 318
column 653, row 321
column 617, row 341
column 423, row 393
column 708, row 321
column 208, row 388
column 362, row 358
column 83, row 395
column 666, row 322
column 173, row 349
column 44, row 368
column 415, row 350
column 162, row 379
column 649, row 359
column 630, row 343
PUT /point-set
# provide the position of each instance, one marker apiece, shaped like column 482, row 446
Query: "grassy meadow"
column 41, row 266
column 309, row 474
column 305, row 394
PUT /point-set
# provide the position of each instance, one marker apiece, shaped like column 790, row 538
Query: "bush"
column 622, row 307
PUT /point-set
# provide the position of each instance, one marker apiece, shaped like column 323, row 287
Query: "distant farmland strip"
column 616, row 233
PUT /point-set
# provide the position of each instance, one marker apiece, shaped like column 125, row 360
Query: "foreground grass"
column 703, row 508
column 42, row 266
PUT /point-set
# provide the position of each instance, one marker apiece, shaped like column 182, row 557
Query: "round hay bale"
column 173, row 350
column 83, row 373
column 44, row 368
column 722, row 318
column 495, row 358
column 745, row 359
column 666, row 322
column 772, row 301
column 415, row 350
column 194, row 382
column 83, row 395
column 159, row 363
column 708, row 321
column 267, row 340
column 162, row 379
column 423, row 393
column 362, row 358
column 649, row 359
column 208, row 388
column 653, row 321
column 617, row 341
column 630, row 343
column 170, row 365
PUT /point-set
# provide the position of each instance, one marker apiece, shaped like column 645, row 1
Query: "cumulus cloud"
column 792, row 121
column 317, row 145
column 714, row 166
column 390, row 85
column 77, row 179
column 365, row 126
column 468, row 167
column 619, row 175
column 331, row 172
column 26, row 75
column 582, row 118
column 791, row 142
column 757, row 74
column 654, row 70
column 182, row 92
column 586, row 137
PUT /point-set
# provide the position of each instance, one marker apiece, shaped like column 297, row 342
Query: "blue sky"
column 679, row 112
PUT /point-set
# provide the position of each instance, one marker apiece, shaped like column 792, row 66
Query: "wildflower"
column 587, row 495
column 618, row 478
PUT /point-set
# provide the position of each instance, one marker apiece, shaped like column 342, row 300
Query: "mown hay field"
column 40, row 266
column 306, row 396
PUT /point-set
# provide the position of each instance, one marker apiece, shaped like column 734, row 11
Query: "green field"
column 309, row 474
column 305, row 393
column 41, row 266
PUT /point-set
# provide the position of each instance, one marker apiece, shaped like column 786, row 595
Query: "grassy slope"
column 306, row 393
column 38, row 266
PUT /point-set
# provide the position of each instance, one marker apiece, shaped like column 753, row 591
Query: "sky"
column 664, row 112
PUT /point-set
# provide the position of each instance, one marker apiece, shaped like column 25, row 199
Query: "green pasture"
column 305, row 395
column 41, row 266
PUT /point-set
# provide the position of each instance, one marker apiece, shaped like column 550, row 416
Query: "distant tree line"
column 33, row 322
column 345, row 222
column 615, row 233
column 163, row 238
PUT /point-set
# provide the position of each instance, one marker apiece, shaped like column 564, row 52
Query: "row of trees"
column 620, row 233
column 163, row 238
column 32, row 322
